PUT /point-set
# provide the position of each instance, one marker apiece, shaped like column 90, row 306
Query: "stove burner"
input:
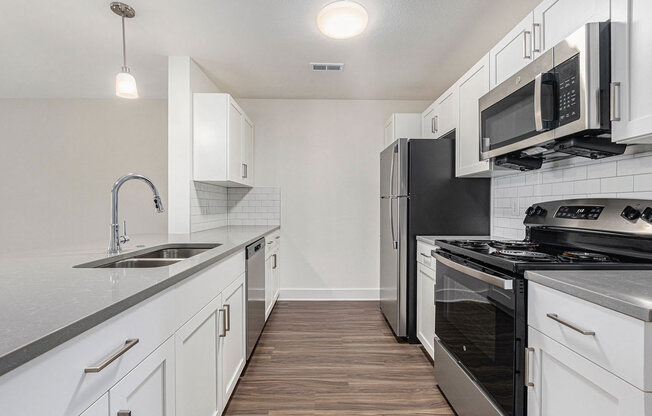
column 514, row 244
column 472, row 244
column 580, row 256
column 524, row 255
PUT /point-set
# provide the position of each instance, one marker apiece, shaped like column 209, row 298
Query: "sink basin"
column 158, row 256
column 139, row 263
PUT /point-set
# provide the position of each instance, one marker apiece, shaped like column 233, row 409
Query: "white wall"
column 324, row 155
column 59, row 159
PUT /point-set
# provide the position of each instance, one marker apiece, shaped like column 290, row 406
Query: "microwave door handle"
column 538, row 114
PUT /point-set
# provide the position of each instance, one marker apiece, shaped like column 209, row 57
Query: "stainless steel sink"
column 139, row 263
column 158, row 256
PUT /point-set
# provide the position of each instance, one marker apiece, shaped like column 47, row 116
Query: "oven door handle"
column 505, row 284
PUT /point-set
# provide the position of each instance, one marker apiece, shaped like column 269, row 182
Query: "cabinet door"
column 428, row 122
column 473, row 85
column 446, row 112
column 269, row 271
column 567, row 384
column 248, row 151
column 631, row 61
column 388, row 137
column 148, row 390
column 426, row 308
column 234, row 344
column 556, row 19
column 99, row 408
column 235, row 143
column 512, row 53
column 197, row 346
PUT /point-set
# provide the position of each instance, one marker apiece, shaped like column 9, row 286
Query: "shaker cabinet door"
column 234, row 344
column 512, row 53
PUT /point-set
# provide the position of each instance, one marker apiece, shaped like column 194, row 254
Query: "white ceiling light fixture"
column 342, row 19
column 125, row 83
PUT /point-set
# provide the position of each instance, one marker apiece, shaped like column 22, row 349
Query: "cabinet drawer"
column 272, row 242
column 620, row 344
column 57, row 378
column 423, row 254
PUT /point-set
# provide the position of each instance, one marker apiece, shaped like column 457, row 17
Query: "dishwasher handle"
column 256, row 248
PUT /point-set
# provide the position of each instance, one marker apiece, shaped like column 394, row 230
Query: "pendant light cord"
column 124, row 47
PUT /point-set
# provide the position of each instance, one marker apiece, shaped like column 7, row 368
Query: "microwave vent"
column 322, row 67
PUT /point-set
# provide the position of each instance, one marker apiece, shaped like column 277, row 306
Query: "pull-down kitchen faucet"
column 116, row 239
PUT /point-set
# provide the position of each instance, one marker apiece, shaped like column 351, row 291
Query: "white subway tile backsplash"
column 625, row 176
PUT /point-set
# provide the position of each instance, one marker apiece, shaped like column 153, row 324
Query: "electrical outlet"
column 515, row 210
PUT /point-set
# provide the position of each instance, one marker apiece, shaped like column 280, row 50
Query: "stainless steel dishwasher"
column 255, row 293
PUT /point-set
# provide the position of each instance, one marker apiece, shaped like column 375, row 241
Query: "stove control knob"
column 647, row 215
column 529, row 211
column 540, row 212
column 630, row 213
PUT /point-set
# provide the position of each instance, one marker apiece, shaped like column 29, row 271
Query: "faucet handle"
column 124, row 237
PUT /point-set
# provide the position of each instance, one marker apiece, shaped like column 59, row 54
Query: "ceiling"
column 411, row 49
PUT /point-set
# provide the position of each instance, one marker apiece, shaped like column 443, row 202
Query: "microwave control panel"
column 568, row 96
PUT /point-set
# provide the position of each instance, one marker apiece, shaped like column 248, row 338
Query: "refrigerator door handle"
column 391, row 197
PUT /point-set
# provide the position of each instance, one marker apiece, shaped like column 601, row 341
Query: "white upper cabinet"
column 473, row 85
column 428, row 122
column 401, row 126
column 631, row 62
column 446, row 114
column 556, row 19
column 512, row 53
column 149, row 389
column 223, row 141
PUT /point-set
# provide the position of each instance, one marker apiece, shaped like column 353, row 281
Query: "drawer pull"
column 227, row 308
column 129, row 344
column 124, row 413
column 425, row 255
column 556, row 318
column 222, row 313
column 528, row 383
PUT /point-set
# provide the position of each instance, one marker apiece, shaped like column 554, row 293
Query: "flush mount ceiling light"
column 342, row 19
column 125, row 83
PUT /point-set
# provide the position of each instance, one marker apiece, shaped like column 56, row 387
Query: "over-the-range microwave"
column 559, row 104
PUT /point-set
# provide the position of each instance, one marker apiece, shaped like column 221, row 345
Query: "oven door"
column 477, row 320
column 520, row 112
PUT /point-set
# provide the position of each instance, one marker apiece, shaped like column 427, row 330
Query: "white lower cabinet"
column 197, row 346
column 426, row 308
column 234, row 343
column 566, row 384
column 272, row 272
column 99, row 408
column 276, row 275
column 148, row 389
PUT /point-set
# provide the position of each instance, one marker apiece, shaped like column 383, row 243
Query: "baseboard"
column 329, row 294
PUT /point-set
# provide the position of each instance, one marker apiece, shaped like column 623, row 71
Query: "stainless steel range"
column 481, row 293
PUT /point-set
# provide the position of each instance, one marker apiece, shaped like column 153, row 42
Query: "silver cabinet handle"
column 275, row 261
column 556, row 318
column 505, row 284
column 433, row 128
column 222, row 313
column 129, row 344
column 528, row 383
column 526, row 55
column 612, row 101
column 244, row 170
column 124, row 412
column 536, row 26
column 227, row 308
column 425, row 255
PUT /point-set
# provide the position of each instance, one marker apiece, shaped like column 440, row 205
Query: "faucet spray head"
column 158, row 204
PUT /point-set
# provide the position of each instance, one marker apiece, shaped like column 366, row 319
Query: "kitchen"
column 325, row 222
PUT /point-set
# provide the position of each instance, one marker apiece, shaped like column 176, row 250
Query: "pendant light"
column 342, row 19
column 125, row 83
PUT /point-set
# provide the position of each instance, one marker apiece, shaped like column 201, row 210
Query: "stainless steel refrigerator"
column 420, row 195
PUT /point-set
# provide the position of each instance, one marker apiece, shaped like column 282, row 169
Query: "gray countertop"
column 44, row 301
column 625, row 291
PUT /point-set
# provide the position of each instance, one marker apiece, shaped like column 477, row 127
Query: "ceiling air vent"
column 326, row 67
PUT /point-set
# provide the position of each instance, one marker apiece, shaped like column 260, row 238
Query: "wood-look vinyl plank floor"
column 335, row 358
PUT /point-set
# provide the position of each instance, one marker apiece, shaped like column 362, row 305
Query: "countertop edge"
column 40, row 346
column 600, row 299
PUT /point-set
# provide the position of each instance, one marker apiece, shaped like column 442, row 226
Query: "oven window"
column 476, row 323
column 510, row 119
